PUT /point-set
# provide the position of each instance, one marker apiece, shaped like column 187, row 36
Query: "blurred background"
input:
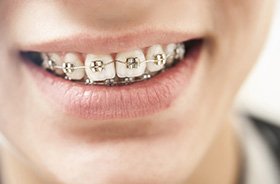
column 260, row 95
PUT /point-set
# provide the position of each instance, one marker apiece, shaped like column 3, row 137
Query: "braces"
column 131, row 63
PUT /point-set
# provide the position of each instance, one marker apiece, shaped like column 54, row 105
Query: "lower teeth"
column 166, row 61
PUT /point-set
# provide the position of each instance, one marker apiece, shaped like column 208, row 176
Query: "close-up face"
column 122, row 91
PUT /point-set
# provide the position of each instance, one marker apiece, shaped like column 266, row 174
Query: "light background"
column 260, row 95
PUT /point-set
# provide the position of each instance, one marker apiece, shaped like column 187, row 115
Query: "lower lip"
column 118, row 102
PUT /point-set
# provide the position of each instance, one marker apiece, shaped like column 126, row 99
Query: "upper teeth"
column 129, row 66
column 157, row 54
column 54, row 57
column 99, row 67
column 72, row 60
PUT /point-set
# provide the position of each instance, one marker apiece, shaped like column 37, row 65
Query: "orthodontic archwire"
column 131, row 63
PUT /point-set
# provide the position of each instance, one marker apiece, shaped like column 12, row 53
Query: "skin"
column 190, row 142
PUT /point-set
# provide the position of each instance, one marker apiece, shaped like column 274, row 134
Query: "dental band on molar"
column 130, row 66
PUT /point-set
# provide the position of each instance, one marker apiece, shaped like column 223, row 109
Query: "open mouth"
column 114, row 69
column 121, row 85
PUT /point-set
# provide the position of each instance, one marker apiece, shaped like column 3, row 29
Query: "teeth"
column 50, row 61
column 156, row 53
column 170, row 52
column 45, row 60
column 127, row 67
column 58, row 61
column 131, row 64
column 180, row 51
column 73, row 60
column 99, row 67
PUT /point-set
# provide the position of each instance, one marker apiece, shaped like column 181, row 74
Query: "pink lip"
column 111, row 43
column 119, row 102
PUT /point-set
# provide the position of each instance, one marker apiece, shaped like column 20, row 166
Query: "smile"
column 127, row 84
column 126, row 68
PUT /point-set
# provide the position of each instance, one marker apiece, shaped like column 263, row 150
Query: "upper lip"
column 108, row 43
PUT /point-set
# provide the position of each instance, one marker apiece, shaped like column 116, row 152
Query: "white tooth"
column 122, row 68
column 152, row 52
column 180, row 51
column 74, row 60
column 58, row 61
column 170, row 51
column 99, row 68
column 45, row 58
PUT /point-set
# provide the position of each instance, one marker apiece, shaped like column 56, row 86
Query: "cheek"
column 240, row 32
column 11, row 90
column 18, row 106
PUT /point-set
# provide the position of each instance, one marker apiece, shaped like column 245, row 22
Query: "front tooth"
column 73, row 60
column 131, row 64
column 170, row 52
column 156, row 53
column 99, row 67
